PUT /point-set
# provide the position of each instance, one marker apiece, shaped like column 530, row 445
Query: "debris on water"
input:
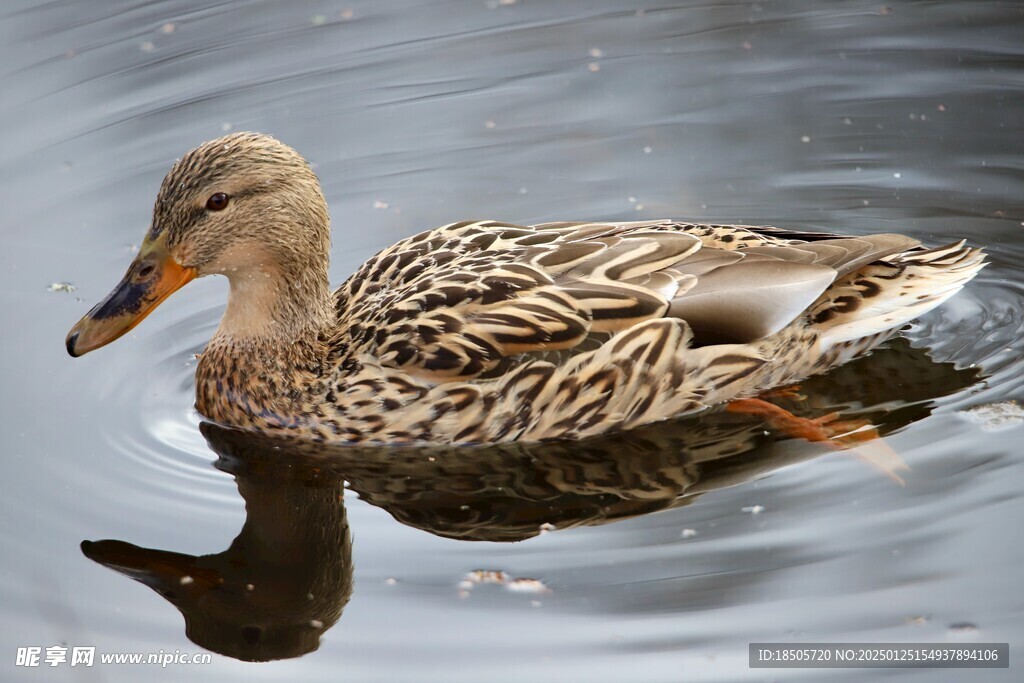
column 487, row 576
column 747, row 45
column 226, row 126
column 995, row 416
column 897, row 175
column 847, row 121
column 489, row 124
column 963, row 629
column 61, row 287
column 805, row 138
column 347, row 14
column 638, row 207
column 147, row 46
column 496, row 576
column 316, row 623
column 168, row 28
column 596, row 53
column 535, row 603
column 688, row 533
column 941, row 107
column 647, row 149
column 916, row 621
column 318, row 20
column 391, row 581
column 753, row 509
column 185, row 580
column 527, row 586
column 594, row 66
column 378, row 204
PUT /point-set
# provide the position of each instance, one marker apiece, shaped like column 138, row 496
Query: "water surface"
column 657, row 556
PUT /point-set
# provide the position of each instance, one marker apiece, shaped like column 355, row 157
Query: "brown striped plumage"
column 491, row 332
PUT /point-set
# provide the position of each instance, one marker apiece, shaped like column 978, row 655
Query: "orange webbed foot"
column 858, row 436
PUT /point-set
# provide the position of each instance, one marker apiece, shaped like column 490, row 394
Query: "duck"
column 486, row 332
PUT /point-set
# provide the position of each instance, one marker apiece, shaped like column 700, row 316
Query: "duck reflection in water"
column 287, row 576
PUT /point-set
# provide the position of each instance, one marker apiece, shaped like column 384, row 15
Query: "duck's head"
column 244, row 205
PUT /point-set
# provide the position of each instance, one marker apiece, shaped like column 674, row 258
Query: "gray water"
column 658, row 556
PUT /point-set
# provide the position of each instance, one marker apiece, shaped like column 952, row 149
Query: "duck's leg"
column 791, row 392
column 822, row 428
column 856, row 435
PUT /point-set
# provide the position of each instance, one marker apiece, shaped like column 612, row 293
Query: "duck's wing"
column 453, row 303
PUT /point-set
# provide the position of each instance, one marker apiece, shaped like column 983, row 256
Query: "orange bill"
column 153, row 276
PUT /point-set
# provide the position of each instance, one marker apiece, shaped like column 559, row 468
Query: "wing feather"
column 465, row 300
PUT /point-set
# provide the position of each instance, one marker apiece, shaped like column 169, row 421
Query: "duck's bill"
column 152, row 277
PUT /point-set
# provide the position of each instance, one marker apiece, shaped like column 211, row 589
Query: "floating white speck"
column 847, row 121
column 647, row 149
column 688, row 533
column 391, row 581
column 897, row 175
column 747, row 45
column 185, row 580
column 168, row 28
column 995, row 416
column 61, row 287
column 318, row 20
column 535, row 603
column 639, row 207
column 805, row 138
column 347, row 14
column 753, row 509
column 593, row 66
column 378, row 204
column 226, row 126
column 489, row 124
column 596, row 53
column 147, row 46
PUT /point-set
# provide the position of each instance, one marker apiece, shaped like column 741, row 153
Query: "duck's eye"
column 146, row 270
column 217, row 202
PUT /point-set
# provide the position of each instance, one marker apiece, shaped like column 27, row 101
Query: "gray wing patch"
column 751, row 299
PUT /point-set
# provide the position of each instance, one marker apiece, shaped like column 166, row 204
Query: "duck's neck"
column 269, row 345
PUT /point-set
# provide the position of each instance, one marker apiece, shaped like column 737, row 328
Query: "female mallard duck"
column 486, row 332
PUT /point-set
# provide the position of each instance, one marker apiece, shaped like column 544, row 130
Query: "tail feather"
column 887, row 294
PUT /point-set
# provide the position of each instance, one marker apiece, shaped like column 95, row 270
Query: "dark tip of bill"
column 70, row 343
